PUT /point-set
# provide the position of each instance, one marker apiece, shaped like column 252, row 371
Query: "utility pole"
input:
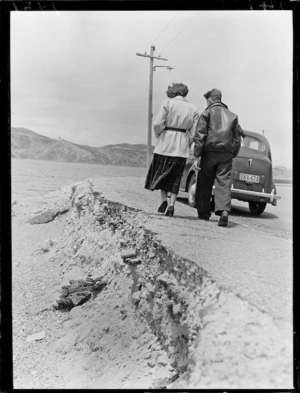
column 149, row 139
column 265, row 6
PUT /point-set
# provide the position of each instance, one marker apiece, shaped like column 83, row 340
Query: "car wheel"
column 192, row 191
column 257, row 207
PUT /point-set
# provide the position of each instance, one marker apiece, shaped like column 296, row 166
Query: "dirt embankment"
column 113, row 308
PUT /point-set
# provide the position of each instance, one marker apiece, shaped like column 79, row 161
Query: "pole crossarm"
column 168, row 67
column 152, row 57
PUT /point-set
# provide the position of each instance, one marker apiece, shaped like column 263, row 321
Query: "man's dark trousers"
column 215, row 167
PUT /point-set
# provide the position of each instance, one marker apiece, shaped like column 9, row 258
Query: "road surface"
column 252, row 257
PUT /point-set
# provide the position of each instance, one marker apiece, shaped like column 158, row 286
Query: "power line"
column 181, row 31
column 165, row 28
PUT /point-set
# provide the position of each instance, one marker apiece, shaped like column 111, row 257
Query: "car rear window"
column 253, row 143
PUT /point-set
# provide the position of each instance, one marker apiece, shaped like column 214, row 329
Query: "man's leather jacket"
column 217, row 130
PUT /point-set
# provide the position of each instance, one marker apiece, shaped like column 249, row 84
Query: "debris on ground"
column 122, row 311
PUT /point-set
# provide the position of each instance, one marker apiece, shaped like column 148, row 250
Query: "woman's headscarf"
column 177, row 89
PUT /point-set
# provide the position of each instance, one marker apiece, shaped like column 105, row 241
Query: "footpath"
column 107, row 293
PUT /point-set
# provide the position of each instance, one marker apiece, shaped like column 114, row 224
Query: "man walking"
column 217, row 142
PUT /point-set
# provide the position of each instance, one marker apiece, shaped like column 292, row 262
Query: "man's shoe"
column 201, row 217
column 223, row 221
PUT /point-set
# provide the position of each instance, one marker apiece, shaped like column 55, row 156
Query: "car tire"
column 257, row 207
column 192, row 190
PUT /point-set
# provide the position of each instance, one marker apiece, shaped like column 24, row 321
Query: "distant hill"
column 281, row 172
column 28, row 144
column 282, row 175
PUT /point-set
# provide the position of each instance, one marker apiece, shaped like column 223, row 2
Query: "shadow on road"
column 238, row 211
column 244, row 212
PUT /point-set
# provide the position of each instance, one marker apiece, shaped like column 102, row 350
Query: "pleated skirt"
column 165, row 173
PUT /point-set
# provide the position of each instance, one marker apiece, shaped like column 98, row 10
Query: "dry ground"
column 160, row 321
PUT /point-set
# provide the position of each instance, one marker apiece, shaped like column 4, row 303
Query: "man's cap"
column 214, row 93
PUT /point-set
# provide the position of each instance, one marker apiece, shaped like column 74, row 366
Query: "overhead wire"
column 165, row 28
column 173, row 39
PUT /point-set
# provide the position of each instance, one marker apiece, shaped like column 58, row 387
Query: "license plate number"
column 249, row 178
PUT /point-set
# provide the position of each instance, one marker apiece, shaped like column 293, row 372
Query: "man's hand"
column 196, row 162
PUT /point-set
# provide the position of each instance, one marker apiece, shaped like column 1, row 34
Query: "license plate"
column 249, row 178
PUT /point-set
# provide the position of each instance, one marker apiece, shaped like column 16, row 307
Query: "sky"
column 76, row 75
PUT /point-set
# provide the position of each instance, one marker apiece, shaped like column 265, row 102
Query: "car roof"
column 259, row 136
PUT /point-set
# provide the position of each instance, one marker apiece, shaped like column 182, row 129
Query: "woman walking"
column 174, row 128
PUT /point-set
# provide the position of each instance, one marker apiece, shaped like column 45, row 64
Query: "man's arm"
column 237, row 134
column 201, row 134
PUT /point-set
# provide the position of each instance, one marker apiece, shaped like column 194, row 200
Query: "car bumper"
column 270, row 197
column 266, row 197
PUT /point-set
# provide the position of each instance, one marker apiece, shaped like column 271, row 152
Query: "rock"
column 36, row 336
column 99, row 278
column 99, row 285
column 182, row 364
column 142, row 328
column 65, row 290
column 163, row 359
column 76, row 312
column 132, row 261
column 42, row 218
column 77, row 286
column 150, row 287
column 48, row 215
column 135, row 334
column 128, row 254
column 179, row 381
column 166, row 279
column 63, row 303
column 48, row 244
column 118, row 265
column 144, row 293
column 155, row 346
column 79, row 298
column 176, row 308
column 161, row 378
column 135, row 297
column 123, row 316
column 171, row 349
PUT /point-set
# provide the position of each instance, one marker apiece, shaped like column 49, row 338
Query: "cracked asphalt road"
column 251, row 258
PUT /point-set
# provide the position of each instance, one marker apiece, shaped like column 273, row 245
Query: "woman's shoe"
column 162, row 207
column 170, row 211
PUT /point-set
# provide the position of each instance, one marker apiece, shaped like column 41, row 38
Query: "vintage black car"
column 252, row 175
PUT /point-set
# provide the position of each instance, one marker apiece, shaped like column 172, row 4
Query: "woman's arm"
column 192, row 131
column 159, row 122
